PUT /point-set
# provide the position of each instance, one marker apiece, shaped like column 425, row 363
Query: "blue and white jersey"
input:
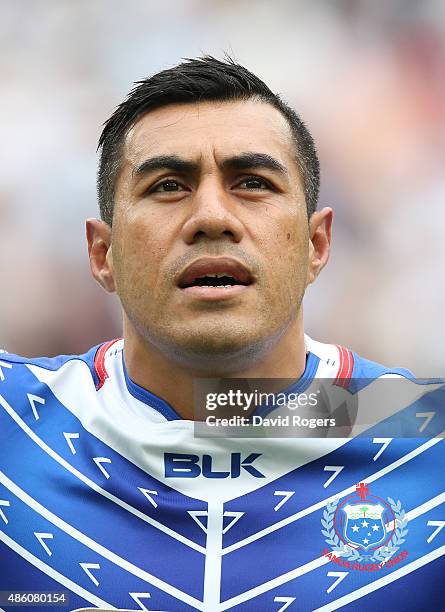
column 107, row 495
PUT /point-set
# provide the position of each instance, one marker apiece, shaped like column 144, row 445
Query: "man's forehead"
column 225, row 128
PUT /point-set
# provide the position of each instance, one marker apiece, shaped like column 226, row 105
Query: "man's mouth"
column 215, row 278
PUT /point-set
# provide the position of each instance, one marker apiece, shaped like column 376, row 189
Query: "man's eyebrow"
column 254, row 160
column 164, row 162
column 242, row 161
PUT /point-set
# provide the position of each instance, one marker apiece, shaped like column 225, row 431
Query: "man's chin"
column 207, row 349
column 214, row 345
column 214, row 350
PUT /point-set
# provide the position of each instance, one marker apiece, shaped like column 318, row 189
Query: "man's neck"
column 149, row 367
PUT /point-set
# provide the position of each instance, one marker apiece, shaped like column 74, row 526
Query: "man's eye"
column 254, row 182
column 165, row 186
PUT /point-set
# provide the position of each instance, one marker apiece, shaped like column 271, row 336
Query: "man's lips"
column 214, row 294
column 221, row 266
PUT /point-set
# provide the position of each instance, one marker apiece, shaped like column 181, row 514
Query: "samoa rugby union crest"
column 363, row 531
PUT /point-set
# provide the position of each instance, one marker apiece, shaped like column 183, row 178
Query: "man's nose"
column 213, row 214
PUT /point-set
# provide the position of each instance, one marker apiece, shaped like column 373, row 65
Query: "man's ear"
column 100, row 254
column 320, row 225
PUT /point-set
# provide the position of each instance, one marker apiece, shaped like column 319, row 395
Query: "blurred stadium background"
column 367, row 77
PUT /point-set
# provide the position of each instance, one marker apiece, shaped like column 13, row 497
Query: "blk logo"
column 178, row 465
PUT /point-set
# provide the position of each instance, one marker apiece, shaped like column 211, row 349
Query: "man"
column 209, row 234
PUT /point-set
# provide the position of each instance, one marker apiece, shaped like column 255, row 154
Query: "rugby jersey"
column 107, row 495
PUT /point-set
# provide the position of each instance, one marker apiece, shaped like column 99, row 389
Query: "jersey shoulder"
column 27, row 382
column 345, row 365
column 366, row 368
column 93, row 358
column 48, row 363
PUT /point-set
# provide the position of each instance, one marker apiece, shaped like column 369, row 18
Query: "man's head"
column 205, row 172
column 199, row 80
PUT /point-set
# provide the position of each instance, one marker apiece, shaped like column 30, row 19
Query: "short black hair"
column 197, row 80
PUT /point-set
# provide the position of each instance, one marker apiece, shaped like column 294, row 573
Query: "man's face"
column 210, row 189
